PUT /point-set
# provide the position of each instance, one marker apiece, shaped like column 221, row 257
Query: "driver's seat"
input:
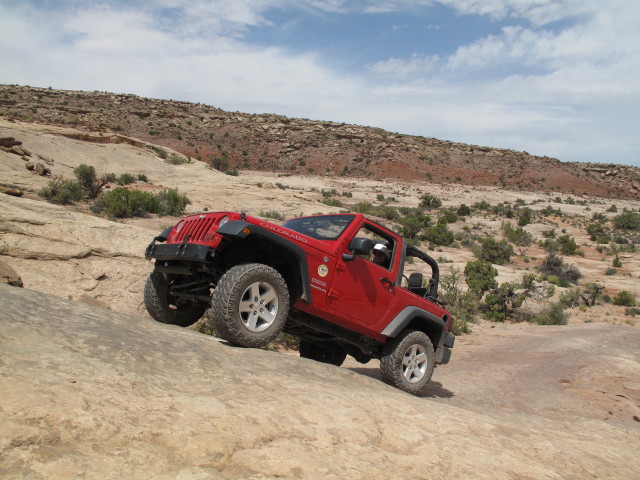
column 415, row 284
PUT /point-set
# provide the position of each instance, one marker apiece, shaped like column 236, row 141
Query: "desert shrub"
column 610, row 271
column 220, row 163
column 120, row 203
column 494, row 252
column 62, row 191
column 142, row 178
column 178, row 159
column 332, row 202
column 388, row 213
column 172, row 202
column 111, row 177
column 126, row 179
column 88, row 180
column 591, row 293
column 480, row 277
column 568, row 245
column 463, row 210
column 365, row 208
column 462, row 305
column 572, row 297
column 627, row 220
column 272, row 214
column 233, row 172
column 624, row 299
column 617, row 262
column 430, row 201
column 517, row 236
column 503, row 301
column 551, row 314
column 554, row 267
column 632, row 311
column 160, row 152
column 410, row 226
column 439, row 234
column 598, row 233
column 525, row 217
column 448, row 216
column 482, row 205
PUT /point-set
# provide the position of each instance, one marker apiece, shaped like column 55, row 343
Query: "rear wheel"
column 408, row 361
column 250, row 304
column 333, row 354
column 167, row 308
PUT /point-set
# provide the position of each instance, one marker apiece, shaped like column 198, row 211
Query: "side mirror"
column 358, row 246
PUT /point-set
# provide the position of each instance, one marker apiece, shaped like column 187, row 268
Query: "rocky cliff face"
column 270, row 142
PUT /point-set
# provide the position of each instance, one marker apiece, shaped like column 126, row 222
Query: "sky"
column 557, row 78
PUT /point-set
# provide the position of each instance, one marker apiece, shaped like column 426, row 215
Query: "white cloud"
column 571, row 93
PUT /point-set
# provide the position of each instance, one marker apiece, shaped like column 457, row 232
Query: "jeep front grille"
column 196, row 228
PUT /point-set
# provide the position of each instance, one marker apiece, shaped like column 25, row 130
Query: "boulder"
column 13, row 191
column 9, row 275
column 21, row 151
column 9, row 142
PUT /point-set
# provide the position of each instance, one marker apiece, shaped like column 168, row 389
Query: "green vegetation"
column 438, row 235
column 88, row 180
column 624, row 299
column 517, row 236
column 126, row 179
column 121, row 202
column 332, row 202
column 462, row 305
column 430, row 201
column 276, row 215
column 627, row 220
column 480, row 277
column 551, row 314
column 62, row 191
column 555, row 271
column 525, row 217
column 494, row 252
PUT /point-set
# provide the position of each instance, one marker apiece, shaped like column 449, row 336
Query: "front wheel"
column 250, row 304
column 165, row 307
column 407, row 361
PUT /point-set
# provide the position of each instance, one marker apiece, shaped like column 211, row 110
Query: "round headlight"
column 179, row 226
column 223, row 220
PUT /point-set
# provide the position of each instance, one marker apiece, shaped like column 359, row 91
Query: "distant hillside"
column 230, row 140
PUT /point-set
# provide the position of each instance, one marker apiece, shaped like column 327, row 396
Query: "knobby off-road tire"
column 407, row 361
column 250, row 304
column 334, row 356
column 166, row 308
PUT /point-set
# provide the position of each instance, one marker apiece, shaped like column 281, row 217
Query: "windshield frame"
column 309, row 226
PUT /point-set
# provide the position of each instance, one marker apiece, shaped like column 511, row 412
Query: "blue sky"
column 551, row 77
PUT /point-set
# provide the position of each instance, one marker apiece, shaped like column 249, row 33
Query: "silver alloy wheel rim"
column 414, row 363
column 258, row 306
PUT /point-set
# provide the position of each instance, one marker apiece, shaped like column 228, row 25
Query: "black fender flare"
column 434, row 324
column 242, row 229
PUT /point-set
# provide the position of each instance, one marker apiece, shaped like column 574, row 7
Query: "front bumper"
column 178, row 251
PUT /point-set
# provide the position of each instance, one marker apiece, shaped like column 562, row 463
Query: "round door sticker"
column 323, row 270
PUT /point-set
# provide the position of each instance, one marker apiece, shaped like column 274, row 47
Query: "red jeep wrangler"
column 313, row 277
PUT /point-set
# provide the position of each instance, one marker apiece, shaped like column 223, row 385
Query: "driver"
column 380, row 255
